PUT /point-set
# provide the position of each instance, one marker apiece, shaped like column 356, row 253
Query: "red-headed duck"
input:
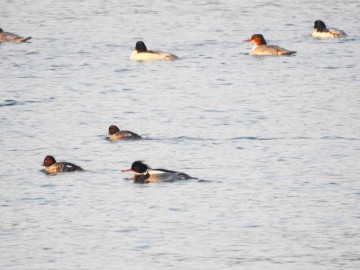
column 53, row 167
column 116, row 134
column 261, row 47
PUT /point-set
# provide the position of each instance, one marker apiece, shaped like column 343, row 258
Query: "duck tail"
column 290, row 53
column 24, row 39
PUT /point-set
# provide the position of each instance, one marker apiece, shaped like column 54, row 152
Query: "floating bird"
column 53, row 167
column 10, row 37
column 144, row 174
column 141, row 53
column 116, row 134
column 261, row 47
column 322, row 32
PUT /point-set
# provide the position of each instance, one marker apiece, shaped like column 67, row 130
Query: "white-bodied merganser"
column 10, row 37
column 144, row 174
column 141, row 53
column 322, row 32
column 116, row 134
column 53, row 167
column 261, row 47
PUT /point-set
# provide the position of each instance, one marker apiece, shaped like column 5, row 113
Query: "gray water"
column 273, row 141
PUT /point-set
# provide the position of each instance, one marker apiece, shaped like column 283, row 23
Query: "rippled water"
column 273, row 141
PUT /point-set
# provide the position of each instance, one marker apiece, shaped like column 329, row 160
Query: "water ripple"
column 338, row 138
column 10, row 102
column 13, row 102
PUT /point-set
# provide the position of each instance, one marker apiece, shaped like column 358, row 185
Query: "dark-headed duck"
column 141, row 53
column 53, row 167
column 322, row 32
column 115, row 134
column 144, row 174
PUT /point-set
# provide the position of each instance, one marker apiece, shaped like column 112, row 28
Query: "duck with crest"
column 262, row 48
column 144, row 174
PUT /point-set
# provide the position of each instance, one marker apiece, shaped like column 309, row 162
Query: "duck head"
column 257, row 38
column 140, row 46
column 113, row 129
column 48, row 161
column 137, row 167
column 319, row 25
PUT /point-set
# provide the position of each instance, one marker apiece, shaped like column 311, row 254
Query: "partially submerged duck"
column 116, row 134
column 141, row 53
column 53, row 167
column 144, row 174
column 322, row 32
column 10, row 37
column 261, row 47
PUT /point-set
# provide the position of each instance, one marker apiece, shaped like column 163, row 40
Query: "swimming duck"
column 141, row 53
column 261, row 47
column 10, row 37
column 53, row 167
column 115, row 134
column 144, row 174
column 322, row 32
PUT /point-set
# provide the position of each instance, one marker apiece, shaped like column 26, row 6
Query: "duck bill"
column 247, row 40
column 127, row 170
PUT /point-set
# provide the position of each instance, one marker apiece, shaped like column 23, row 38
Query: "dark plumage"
column 115, row 134
column 53, row 167
column 144, row 174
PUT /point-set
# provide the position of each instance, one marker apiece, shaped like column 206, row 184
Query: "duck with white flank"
column 53, row 167
column 144, row 174
column 261, row 47
column 10, row 37
column 322, row 32
column 141, row 53
column 116, row 134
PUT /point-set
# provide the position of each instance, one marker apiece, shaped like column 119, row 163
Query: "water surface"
column 273, row 141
